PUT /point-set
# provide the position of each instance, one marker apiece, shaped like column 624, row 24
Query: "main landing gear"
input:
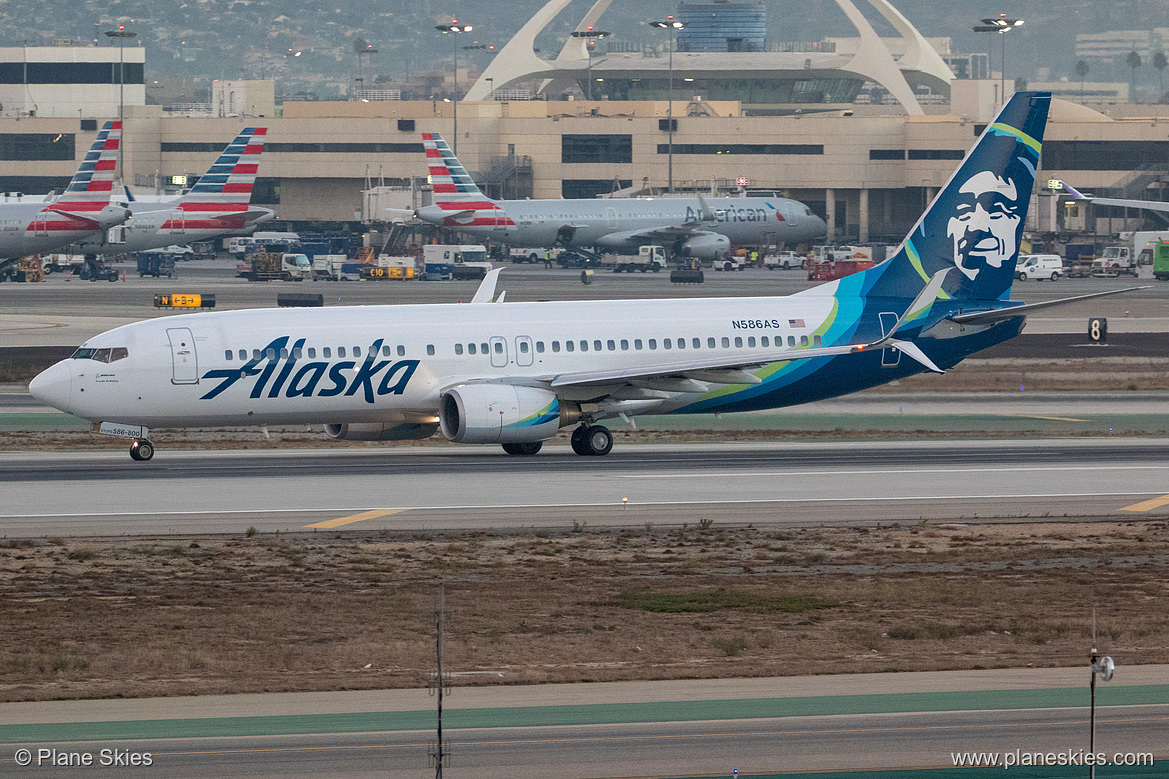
column 524, row 450
column 592, row 440
column 141, row 449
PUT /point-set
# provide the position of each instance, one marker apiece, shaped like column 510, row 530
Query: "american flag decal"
column 795, row 323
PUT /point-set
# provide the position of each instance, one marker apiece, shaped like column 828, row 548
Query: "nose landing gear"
column 592, row 440
column 141, row 450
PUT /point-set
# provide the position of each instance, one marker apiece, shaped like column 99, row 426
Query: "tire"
column 657, row 268
column 728, row 267
column 532, row 258
column 141, row 450
column 578, row 441
column 525, row 449
column 1021, row 276
column 598, row 440
column 1055, row 277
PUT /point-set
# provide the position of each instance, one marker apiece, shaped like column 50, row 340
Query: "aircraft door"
column 611, row 218
column 40, row 225
column 523, row 350
column 499, row 352
column 890, row 358
column 183, row 357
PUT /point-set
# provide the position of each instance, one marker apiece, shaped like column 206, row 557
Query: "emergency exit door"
column 184, row 360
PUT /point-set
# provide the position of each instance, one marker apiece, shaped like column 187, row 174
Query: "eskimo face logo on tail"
column 985, row 223
column 283, row 372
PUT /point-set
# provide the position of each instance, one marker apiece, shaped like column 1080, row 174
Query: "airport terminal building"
column 869, row 169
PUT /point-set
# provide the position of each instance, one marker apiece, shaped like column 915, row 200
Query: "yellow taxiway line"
column 1148, row 505
column 339, row 521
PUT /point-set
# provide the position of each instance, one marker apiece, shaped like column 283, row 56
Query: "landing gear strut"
column 141, row 449
column 592, row 440
column 524, row 450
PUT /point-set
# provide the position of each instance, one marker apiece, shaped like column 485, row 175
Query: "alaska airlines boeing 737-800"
column 218, row 204
column 516, row 373
column 697, row 226
column 42, row 225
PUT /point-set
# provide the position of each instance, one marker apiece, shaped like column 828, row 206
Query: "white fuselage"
column 422, row 350
column 629, row 223
column 25, row 228
column 159, row 223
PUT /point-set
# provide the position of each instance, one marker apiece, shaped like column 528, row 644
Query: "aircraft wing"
column 1150, row 205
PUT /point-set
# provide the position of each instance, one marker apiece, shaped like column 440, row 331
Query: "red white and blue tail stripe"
column 222, row 196
column 93, row 182
column 455, row 191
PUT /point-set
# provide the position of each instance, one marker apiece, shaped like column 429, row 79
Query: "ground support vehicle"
column 1039, row 266
column 467, row 261
column 156, row 264
column 1161, row 260
column 782, row 261
column 275, row 266
column 648, row 258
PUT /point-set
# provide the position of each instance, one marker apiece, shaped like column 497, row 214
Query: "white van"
column 1039, row 266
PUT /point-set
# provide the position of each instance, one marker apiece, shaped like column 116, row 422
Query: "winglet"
column 707, row 214
column 1072, row 191
column 486, row 289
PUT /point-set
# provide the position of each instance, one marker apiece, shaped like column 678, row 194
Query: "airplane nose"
column 53, row 386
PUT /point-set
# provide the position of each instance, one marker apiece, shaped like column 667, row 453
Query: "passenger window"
column 653, row 343
column 803, row 340
column 296, row 354
column 385, row 350
column 816, row 340
column 726, row 342
column 667, row 343
column 402, row 350
column 482, row 348
column 270, row 354
column 765, row 342
column 523, row 347
column 709, row 343
column 312, row 352
column 624, row 345
column 430, row 349
column 612, row 345
column 470, row 348
column 539, row 347
column 356, row 351
column 327, row 352
column 498, row 347
column 681, row 343
column 584, row 346
column 283, row 354
column 556, row 346
column 791, row 340
column 751, row 342
column 458, row 348
column 340, row 351
column 227, row 355
column 637, row 344
column 596, row 346
column 738, row 342
column 569, row 345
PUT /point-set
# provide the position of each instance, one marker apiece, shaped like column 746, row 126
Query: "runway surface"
column 477, row 488
column 661, row 729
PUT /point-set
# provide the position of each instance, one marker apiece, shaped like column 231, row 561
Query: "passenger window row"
column 612, row 345
column 311, row 353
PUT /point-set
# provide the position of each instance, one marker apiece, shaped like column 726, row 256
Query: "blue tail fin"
column 976, row 222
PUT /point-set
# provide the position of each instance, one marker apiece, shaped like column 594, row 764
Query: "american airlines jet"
column 516, row 373
column 39, row 226
column 218, row 204
column 697, row 226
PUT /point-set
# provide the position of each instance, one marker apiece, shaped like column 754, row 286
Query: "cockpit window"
column 102, row 355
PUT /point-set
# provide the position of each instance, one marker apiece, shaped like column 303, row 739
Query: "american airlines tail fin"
column 975, row 223
column 222, row 196
column 93, row 183
column 447, row 175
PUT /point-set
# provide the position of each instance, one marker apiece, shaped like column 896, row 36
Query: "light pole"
column 121, row 34
column 1001, row 25
column 591, row 35
column 455, row 27
column 673, row 25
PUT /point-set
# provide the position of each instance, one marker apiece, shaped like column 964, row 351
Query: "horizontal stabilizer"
column 999, row 314
column 914, row 351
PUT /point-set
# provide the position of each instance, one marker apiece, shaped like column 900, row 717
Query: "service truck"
column 1133, row 250
column 647, row 258
column 782, row 260
column 1161, row 260
column 465, row 261
column 275, row 266
column 533, row 254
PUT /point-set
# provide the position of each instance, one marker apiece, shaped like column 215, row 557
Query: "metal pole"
column 455, row 100
column 441, row 599
column 670, row 117
column 1003, row 71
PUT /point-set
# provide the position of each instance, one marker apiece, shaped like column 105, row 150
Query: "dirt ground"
column 328, row 611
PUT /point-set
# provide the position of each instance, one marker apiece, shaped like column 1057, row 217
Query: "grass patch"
column 716, row 600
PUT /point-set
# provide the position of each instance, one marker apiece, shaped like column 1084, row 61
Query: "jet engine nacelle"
column 707, row 246
column 502, row 414
column 381, row 431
